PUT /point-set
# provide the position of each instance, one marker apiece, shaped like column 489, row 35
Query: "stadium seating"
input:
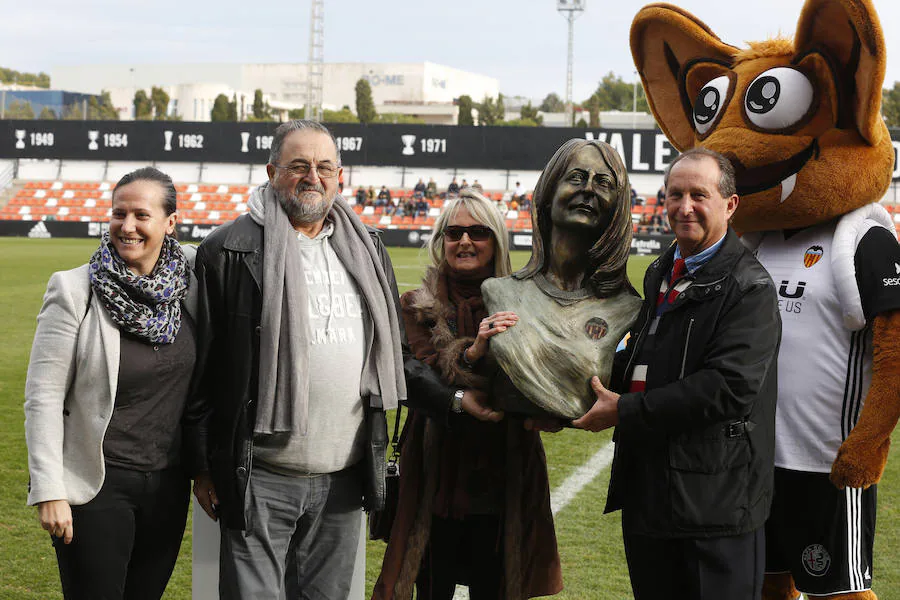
column 201, row 204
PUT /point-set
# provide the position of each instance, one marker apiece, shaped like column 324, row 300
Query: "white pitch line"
column 567, row 490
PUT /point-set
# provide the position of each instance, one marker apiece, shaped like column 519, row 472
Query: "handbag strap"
column 395, row 438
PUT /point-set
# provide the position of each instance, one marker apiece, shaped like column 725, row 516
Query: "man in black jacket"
column 299, row 354
column 695, row 420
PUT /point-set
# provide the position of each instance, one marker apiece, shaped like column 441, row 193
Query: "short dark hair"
column 289, row 127
column 170, row 198
column 727, row 183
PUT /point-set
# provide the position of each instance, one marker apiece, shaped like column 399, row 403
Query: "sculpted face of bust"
column 585, row 194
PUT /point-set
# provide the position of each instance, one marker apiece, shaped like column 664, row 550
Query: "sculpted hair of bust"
column 605, row 273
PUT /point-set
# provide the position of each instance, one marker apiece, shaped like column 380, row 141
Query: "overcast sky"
column 522, row 43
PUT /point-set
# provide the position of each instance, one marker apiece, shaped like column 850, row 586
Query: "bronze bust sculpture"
column 573, row 298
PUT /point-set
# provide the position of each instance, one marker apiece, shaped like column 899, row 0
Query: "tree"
column 581, row 123
column 465, row 111
column 529, row 113
column 491, row 112
column 41, row 80
column 261, row 110
column 613, row 93
column 221, row 110
column 519, row 123
column 19, row 109
column 398, row 118
column 100, row 108
column 345, row 115
column 73, row 112
column 143, row 107
column 297, row 113
column 232, row 108
column 47, row 114
column 160, row 101
column 592, row 105
column 890, row 105
column 552, row 104
column 365, row 106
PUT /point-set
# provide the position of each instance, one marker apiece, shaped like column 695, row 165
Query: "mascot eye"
column 709, row 102
column 778, row 98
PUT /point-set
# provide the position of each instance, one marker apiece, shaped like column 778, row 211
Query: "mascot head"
column 800, row 120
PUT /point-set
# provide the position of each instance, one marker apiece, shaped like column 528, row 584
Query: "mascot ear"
column 849, row 34
column 665, row 39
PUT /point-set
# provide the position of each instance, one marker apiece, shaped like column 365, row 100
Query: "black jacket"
column 695, row 450
column 222, row 408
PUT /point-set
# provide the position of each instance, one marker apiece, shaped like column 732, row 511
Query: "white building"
column 426, row 90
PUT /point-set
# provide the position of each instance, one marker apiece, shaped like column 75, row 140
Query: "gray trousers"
column 302, row 538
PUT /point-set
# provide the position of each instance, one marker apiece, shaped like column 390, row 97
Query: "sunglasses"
column 477, row 233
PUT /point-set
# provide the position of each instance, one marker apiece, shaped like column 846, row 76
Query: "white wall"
column 85, row 170
column 38, row 168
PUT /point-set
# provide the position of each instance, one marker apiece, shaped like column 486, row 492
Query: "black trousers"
column 696, row 568
column 127, row 538
column 467, row 551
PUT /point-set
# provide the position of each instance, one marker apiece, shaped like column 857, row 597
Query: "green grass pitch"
column 590, row 543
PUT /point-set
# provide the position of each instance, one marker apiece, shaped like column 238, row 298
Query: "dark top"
column 144, row 432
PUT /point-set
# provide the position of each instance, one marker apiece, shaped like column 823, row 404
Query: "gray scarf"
column 283, row 346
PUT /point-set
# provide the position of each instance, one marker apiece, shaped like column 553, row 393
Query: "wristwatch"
column 456, row 402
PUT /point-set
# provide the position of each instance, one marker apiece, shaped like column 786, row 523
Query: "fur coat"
column 531, row 560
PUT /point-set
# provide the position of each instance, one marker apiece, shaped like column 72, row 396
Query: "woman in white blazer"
column 106, row 391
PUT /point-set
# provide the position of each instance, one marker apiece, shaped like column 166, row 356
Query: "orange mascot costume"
column 800, row 120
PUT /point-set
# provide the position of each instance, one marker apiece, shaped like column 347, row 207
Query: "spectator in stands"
column 384, row 197
column 370, row 196
column 422, row 207
column 477, row 187
column 661, row 195
column 453, row 189
column 519, row 192
column 419, row 189
column 431, row 189
column 474, row 503
column 463, row 185
column 299, row 355
column 513, row 203
column 361, row 196
column 105, row 396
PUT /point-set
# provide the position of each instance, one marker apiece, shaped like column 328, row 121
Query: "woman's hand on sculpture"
column 488, row 328
column 474, row 402
column 56, row 518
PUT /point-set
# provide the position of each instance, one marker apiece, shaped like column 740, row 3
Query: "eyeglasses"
column 324, row 170
column 477, row 233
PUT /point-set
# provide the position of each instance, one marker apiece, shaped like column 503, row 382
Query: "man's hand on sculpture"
column 489, row 327
column 605, row 412
column 474, row 402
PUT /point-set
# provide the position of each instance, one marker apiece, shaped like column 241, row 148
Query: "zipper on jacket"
column 637, row 342
column 687, row 339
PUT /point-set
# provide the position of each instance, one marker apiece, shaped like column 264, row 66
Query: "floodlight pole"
column 571, row 10
column 316, row 64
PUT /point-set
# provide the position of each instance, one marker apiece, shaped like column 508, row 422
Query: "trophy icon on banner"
column 168, row 136
column 245, row 137
column 20, row 139
column 408, row 141
column 93, row 136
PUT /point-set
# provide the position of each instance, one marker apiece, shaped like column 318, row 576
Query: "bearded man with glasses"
column 299, row 355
